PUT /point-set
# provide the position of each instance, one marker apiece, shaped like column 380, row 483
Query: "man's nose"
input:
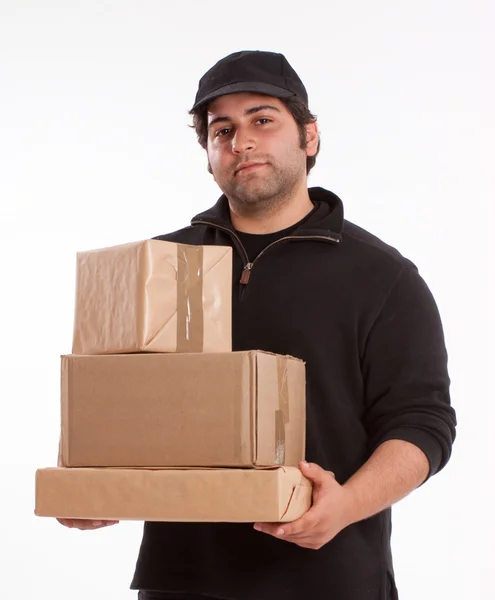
column 242, row 142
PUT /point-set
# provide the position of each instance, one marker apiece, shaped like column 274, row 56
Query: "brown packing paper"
column 202, row 409
column 215, row 495
column 153, row 296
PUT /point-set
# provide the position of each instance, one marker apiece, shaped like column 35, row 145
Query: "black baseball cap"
column 251, row 71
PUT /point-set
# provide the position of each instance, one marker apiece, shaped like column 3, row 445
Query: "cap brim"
column 246, row 86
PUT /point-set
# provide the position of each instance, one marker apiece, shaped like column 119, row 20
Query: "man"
column 309, row 284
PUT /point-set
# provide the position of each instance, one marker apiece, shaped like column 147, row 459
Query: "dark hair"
column 298, row 110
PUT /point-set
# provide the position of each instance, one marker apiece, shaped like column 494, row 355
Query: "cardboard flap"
column 186, row 282
column 217, row 298
column 298, row 490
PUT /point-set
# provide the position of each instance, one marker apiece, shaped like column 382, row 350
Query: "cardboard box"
column 153, row 296
column 217, row 495
column 235, row 409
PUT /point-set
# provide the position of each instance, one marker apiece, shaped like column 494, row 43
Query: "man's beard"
column 260, row 193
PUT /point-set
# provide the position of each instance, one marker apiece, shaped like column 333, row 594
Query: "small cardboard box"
column 215, row 495
column 234, row 409
column 153, row 296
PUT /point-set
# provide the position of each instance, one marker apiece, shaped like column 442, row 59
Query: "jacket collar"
column 327, row 219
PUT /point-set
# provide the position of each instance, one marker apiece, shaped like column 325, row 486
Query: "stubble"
column 265, row 190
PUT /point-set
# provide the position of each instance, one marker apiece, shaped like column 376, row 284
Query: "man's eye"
column 263, row 119
column 222, row 132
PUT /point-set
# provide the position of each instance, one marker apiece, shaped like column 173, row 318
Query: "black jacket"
column 368, row 328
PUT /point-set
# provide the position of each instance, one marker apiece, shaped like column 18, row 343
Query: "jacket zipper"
column 248, row 267
column 246, row 272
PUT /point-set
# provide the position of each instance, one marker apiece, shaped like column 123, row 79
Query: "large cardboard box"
column 235, row 409
column 153, row 296
column 228, row 495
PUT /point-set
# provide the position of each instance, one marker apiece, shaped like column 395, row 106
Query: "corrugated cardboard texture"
column 153, row 296
column 218, row 495
column 166, row 410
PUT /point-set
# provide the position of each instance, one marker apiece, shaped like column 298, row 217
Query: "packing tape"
column 190, row 327
column 279, row 438
column 282, row 414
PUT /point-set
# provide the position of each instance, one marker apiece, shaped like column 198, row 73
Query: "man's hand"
column 329, row 514
column 84, row 524
column 394, row 469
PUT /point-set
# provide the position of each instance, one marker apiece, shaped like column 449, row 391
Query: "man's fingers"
column 85, row 524
column 323, row 482
column 305, row 539
column 315, row 473
column 304, row 524
column 276, row 529
column 66, row 522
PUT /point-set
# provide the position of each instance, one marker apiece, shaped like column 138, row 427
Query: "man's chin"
column 253, row 198
column 253, row 192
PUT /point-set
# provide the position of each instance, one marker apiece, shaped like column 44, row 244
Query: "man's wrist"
column 353, row 506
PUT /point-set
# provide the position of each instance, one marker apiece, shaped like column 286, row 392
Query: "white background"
column 95, row 151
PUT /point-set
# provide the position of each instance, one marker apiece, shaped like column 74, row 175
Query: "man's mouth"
column 248, row 167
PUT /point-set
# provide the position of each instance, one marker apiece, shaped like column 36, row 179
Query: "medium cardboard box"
column 153, row 296
column 216, row 495
column 233, row 409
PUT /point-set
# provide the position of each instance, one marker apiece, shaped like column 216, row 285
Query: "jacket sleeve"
column 406, row 382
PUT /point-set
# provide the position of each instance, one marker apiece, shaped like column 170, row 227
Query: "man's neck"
column 287, row 213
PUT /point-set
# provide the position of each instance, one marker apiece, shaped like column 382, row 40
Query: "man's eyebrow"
column 249, row 111
column 256, row 109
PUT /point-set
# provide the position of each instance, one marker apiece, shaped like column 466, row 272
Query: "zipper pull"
column 246, row 273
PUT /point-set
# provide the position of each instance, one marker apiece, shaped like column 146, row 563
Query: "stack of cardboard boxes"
column 160, row 419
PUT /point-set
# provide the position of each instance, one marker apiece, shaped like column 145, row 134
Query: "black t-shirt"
column 254, row 243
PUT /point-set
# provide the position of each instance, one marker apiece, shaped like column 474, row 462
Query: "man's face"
column 254, row 149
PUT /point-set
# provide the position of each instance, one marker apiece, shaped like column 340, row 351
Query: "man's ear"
column 312, row 138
